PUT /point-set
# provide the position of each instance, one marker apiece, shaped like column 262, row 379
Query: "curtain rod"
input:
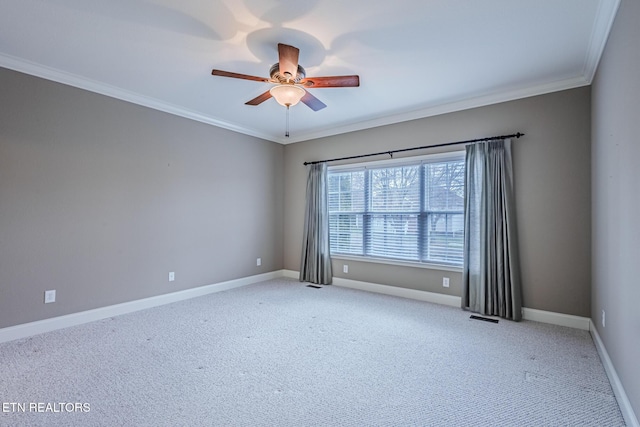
column 491, row 138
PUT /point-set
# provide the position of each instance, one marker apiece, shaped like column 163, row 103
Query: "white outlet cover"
column 345, row 268
column 445, row 282
column 259, row 261
column 172, row 276
column 49, row 296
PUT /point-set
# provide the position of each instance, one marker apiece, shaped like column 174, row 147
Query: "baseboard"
column 621, row 396
column 33, row 328
column 38, row 327
column 532, row 314
column 291, row 274
column 433, row 297
column 560, row 319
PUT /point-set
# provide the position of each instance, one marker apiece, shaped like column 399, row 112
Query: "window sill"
column 399, row 263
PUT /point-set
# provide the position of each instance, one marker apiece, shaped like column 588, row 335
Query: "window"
column 410, row 210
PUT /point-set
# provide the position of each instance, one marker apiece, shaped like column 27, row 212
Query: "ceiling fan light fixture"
column 287, row 95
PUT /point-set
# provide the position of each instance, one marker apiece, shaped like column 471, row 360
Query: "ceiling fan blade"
column 238, row 76
column 288, row 60
column 259, row 99
column 312, row 102
column 333, row 81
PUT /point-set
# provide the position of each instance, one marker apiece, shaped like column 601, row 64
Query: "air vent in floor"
column 486, row 319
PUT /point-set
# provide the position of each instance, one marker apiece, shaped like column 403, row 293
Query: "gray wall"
column 616, row 198
column 100, row 199
column 552, row 173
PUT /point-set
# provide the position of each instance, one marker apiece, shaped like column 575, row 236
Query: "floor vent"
column 314, row 286
column 486, row 319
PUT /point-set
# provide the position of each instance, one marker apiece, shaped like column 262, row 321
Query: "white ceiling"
column 415, row 58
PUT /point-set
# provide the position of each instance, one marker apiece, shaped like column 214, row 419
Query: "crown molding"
column 69, row 79
column 606, row 15
column 448, row 107
column 48, row 73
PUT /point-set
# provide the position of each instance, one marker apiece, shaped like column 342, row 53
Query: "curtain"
column 491, row 272
column 315, row 265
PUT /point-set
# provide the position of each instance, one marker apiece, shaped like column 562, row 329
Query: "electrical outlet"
column 445, row 282
column 259, row 262
column 603, row 318
column 345, row 268
column 172, row 276
column 49, row 296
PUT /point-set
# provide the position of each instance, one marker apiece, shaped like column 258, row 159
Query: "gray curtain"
column 315, row 265
column 491, row 272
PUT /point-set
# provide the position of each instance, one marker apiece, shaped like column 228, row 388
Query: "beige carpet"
column 279, row 353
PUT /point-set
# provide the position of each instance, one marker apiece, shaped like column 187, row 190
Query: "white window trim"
column 427, row 158
column 429, row 266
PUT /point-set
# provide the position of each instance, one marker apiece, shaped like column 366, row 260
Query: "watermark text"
column 51, row 407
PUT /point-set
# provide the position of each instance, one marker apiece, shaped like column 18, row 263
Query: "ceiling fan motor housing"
column 275, row 74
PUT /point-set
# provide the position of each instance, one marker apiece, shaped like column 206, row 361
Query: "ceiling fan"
column 291, row 81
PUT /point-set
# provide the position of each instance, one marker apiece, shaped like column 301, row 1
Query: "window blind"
column 411, row 212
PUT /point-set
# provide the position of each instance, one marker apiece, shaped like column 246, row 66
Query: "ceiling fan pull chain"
column 286, row 133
